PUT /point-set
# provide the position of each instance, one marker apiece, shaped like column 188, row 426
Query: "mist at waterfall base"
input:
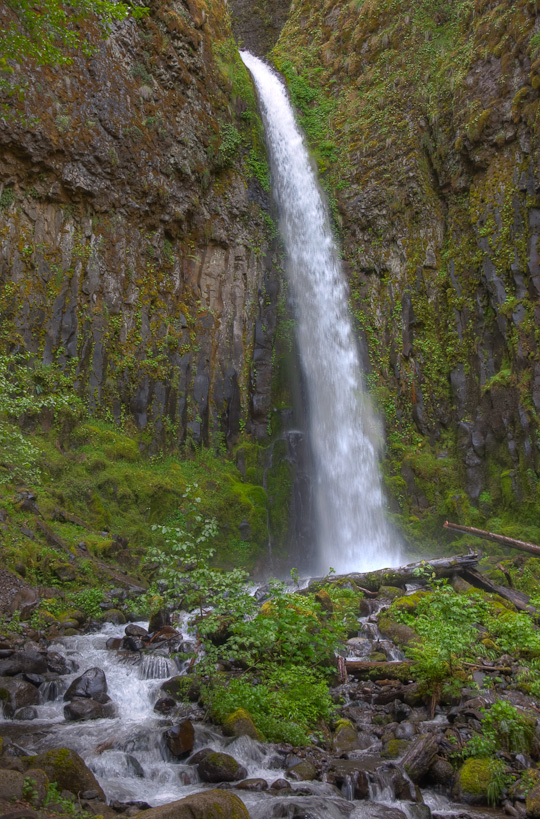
column 345, row 434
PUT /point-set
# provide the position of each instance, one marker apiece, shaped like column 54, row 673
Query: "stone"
column 114, row 616
column 532, row 803
column 17, row 693
column 183, row 688
column 39, row 783
column 252, row 785
column 23, row 662
column 473, row 780
column 58, row 664
column 399, row 633
column 25, row 601
column 390, row 592
column 420, row 756
column 219, row 767
column 25, row 714
column 239, row 724
column 345, row 738
column 441, row 773
column 165, row 705
column 66, row 768
column 92, row 684
column 180, row 738
column 325, row 601
column 133, row 630
column 11, row 785
column 85, row 708
column 304, row 770
column 214, row 804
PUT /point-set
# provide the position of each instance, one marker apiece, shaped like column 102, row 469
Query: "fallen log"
column 517, row 598
column 521, row 545
column 412, row 573
column 379, row 671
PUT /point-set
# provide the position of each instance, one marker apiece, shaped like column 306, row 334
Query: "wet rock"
column 66, row 768
column 199, row 756
column 165, row 705
column 23, row 662
column 58, row 664
column 240, row 723
column 85, row 708
column 280, row 785
column 92, row 684
column 183, row 688
column 114, row 643
column 399, row 633
column 420, row 757
column 304, row 770
column 390, row 592
column 214, row 804
column 345, row 738
column 26, row 714
column 135, row 631
column 132, row 644
column 441, row 773
column 219, row 767
column 15, row 694
column 252, row 785
column 394, row 748
column 405, row 730
column 114, row 616
column 180, row 738
column 159, row 620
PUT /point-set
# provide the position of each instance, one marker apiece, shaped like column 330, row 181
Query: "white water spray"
column 344, row 432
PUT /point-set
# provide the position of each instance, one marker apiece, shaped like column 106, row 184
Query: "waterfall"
column 344, row 432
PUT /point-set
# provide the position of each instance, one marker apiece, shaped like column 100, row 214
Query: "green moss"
column 475, row 777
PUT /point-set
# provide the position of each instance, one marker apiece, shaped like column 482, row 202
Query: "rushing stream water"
column 344, row 431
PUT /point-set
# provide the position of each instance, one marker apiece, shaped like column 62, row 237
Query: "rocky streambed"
column 113, row 716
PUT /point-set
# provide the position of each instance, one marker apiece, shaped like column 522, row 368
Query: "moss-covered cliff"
column 134, row 225
column 424, row 120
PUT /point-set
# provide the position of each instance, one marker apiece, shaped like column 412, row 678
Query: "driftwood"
column 379, row 671
column 412, row 573
column 522, row 545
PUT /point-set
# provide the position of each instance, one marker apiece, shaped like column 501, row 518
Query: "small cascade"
column 155, row 667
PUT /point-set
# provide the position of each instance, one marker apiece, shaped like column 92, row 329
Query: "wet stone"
column 91, row 684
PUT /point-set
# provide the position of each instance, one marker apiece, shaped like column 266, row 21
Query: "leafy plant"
column 503, row 729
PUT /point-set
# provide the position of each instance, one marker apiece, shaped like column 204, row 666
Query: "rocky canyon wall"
column 134, row 224
column 424, row 120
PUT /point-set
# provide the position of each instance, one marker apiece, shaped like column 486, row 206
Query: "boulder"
column 180, row 738
column 66, row 768
column 399, row 633
column 345, row 738
column 17, row 693
column 11, row 785
column 158, row 620
column 302, row 771
column 37, row 785
column 59, row 664
column 390, row 592
column 252, row 785
column 325, row 601
column 473, row 780
column 23, row 662
column 239, row 724
column 442, row 773
column 218, row 767
column 84, row 708
column 114, row 616
column 183, row 688
column 205, row 805
column 91, row 684
column 25, row 714
column 135, row 631
column 420, row 756
column 532, row 803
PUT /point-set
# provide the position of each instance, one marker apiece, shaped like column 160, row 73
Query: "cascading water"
column 353, row 533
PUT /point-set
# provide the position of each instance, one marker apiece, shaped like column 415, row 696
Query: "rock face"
column 257, row 25
column 133, row 232
column 432, row 153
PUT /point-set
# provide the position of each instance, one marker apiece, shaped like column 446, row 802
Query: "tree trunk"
column 413, row 572
column 522, row 545
column 379, row 671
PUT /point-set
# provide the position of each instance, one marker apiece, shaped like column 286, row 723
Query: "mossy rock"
column 214, row 804
column 532, row 803
column 409, row 602
column 390, row 592
column 325, row 601
column 399, row 633
column 345, row 738
column 183, row 688
column 114, row 616
column 240, row 723
column 395, row 748
column 67, row 769
column 473, row 781
column 377, row 657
